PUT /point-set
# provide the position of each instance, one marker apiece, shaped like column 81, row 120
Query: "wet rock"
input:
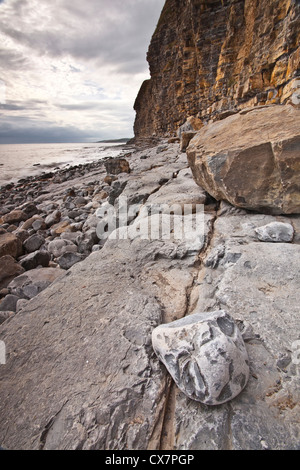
column 205, row 354
column 275, row 232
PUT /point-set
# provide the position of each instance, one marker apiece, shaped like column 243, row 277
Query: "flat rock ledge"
column 206, row 356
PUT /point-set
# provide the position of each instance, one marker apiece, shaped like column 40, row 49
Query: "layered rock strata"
column 210, row 58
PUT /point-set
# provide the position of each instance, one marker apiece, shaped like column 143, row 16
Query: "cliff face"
column 209, row 58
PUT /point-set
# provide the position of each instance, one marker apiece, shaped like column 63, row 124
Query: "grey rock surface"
column 275, row 232
column 205, row 354
column 257, row 283
column 9, row 303
column 81, row 372
column 113, row 404
column 32, row 282
column 5, row 315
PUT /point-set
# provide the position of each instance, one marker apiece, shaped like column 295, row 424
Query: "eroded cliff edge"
column 210, row 58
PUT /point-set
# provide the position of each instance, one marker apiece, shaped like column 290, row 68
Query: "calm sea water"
column 21, row 160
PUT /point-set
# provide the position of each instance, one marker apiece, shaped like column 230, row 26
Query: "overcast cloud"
column 70, row 70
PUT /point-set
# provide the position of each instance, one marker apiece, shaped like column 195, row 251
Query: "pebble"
column 53, row 218
column 33, row 243
column 67, row 260
column 277, row 232
column 35, row 259
column 60, row 246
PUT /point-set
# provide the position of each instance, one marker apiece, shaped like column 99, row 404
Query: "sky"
column 70, row 70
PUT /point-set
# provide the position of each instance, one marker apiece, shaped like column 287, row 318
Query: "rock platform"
column 81, row 372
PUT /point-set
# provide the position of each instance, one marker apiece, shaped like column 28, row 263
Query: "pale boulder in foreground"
column 205, row 354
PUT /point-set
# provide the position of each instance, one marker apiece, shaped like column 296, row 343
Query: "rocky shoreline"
column 77, row 313
column 48, row 221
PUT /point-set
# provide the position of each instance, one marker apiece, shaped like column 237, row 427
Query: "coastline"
column 85, row 311
column 44, row 158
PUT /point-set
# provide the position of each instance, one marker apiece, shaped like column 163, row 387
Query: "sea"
column 22, row 160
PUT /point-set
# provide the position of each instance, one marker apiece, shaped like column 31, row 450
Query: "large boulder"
column 251, row 159
column 205, row 354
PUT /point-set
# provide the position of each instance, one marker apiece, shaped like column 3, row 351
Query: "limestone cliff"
column 209, row 58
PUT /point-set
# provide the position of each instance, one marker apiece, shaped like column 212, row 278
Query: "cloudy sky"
column 70, row 69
